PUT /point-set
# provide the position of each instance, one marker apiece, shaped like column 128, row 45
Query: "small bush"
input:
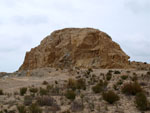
column 124, row 77
column 148, row 73
column 109, row 76
column 23, row 91
column 34, row 108
column 117, row 72
column 70, row 94
column 28, row 100
column 141, row 101
column 45, row 101
column 43, row 91
column 45, row 83
column 33, row 90
column 21, row 109
column 120, row 82
column 110, row 97
column 1, row 92
column 131, row 88
column 99, row 87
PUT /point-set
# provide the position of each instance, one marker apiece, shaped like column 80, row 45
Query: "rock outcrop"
column 76, row 47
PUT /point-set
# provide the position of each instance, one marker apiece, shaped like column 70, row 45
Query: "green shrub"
column 43, row 91
column 131, row 88
column 117, row 72
column 110, row 97
column 124, row 77
column 33, row 90
column 99, row 87
column 141, row 101
column 1, row 92
column 34, row 108
column 23, row 91
column 70, row 94
column 21, row 109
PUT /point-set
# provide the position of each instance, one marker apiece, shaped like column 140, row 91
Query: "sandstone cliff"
column 76, row 47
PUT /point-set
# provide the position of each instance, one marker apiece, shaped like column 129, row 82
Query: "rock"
column 76, row 47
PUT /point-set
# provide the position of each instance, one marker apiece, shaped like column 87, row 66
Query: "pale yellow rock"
column 76, row 47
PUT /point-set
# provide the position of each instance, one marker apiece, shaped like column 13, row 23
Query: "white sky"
column 24, row 23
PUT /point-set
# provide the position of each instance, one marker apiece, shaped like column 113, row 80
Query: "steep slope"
column 76, row 47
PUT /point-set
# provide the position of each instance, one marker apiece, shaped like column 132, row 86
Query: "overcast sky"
column 24, row 23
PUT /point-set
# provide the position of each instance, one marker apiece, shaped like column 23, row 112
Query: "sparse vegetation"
column 131, row 88
column 108, row 75
column 43, row 91
column 23, row 91
column 70, row 94
column 110, row 97
column 124, row 77
column 34, row 108
column 117, row 72
column 21, row 109
column 142, row 102
column 80, row 93
column 45, row 83
column 33, row 90
column 99, row 87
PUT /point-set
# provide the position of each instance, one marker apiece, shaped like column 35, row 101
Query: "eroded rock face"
column 76, row 47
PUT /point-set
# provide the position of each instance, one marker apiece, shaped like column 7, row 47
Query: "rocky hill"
column 76, row 47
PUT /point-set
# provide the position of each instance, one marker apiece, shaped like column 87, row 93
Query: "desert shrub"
column 28, row 100
column 43, row 91
column 131, row 88
column 141, row 101
column 117, row 72
column 99, row 87
column 81, row 84
column 124, row 77
column 45, row 83
column 45, row 101
column 70, row 94
column 33, row 90
column 34, row 108
column 1, row 111
column 21, row 109
column 23, row 91
column 148, row 73
column 76, row 106
column 110, row 97
column 71, row 84
column 1, row 92
column 119, row 82
column 109, row 76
